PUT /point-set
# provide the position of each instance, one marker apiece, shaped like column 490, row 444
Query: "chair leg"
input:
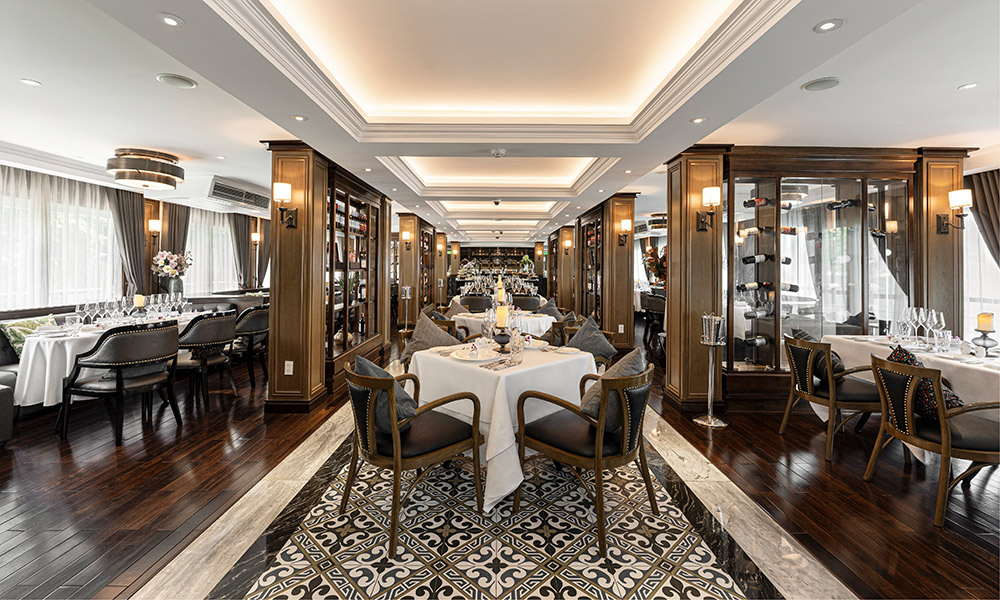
column 880, row 445
column 788, row 412
column 394, row 523
column 644, row 468
column 350, row 475
column 63, row 424
column 942, row 492
column 119, row 423
column 172, row 399
column 831, row 426
column 249, row 359
column 520, row 456
column 862, row 420
column 602, row 544
column 477, row 474
column 232, row 382
column 204, row 387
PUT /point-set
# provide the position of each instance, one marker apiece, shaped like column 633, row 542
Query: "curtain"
column 213, row 263
column 128, row 209
column 239, row 231
column 986, row 208
column 57, row 241
column 263, row 251
column 175, row 229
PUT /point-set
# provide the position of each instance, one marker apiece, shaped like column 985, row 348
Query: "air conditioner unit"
column 211, row 192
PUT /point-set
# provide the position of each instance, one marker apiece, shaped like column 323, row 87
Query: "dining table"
column 556, row 372
column 532, row 323
column 48, row 357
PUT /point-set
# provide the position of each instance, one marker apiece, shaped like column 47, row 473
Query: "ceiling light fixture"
column 498, row 152
column 36, row 83
column 394, row 189
column 628, row 171
column 828, row 25
column 698, row 120
column 145, row 169
column 220, row 157
column 600, row 191
column 171, row 20
column 964, row 86
column 818, row 85
column 177, row 81
column 300, row 117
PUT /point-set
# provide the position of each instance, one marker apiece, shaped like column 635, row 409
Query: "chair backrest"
column 476, row 303
column 656, row 304
column 447, row 325
column 644, row 300
column 570, row 331
column 632, row 393
column 132, row 345
column 404, row 336
column 801, row 358
column 254, row 320
column 897, row 385
column 209, row 330
column 526, row 302
column 213, row 306
column 364, row 392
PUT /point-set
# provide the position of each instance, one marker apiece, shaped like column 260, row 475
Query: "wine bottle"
column 786, row 260
column 787, row 206
column 785, row 229
column 752, row 231
column 755, row 202
column 789, row 287
column 361, row 325
column 757, row 341
column 757, row 313
column 753, row 285
column 756, row 258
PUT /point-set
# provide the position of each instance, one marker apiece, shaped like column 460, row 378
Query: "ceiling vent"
column 215, row 193
column 224, row 191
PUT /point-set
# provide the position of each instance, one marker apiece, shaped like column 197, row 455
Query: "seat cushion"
column 406, row 407
column 634, row 363
column 571, row 433
column 428, row 432
column 971, row 431
column 188, row 361
column 8, row 375
column 924, row 400
column 851, row 389
column 102, row 385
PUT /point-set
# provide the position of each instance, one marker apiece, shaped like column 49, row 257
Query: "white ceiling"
column 412, row 97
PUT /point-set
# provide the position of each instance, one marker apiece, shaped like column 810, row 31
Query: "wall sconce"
column 957, row 200
column 626, row 228
column 255, row 238
column 406, row 239
column 892, row 226
column 710, row 198
column 155, row 227
column 568, row 244
column 538, row 251
column 282, row 194
column 440, row 249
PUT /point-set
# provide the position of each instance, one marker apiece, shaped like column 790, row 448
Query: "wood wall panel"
column 539, row 257
column 440, row 268
column 618, row 271
column 567, row 268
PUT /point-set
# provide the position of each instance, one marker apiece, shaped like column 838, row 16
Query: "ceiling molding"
column 398, row 167
column 39, row 160
column 254, row 23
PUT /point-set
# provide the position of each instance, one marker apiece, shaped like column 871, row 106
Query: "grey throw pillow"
column 426, row 335
column 436, row 315
column 590, row 339
column 819, row 363
column 550, row 308
column 406, row 407
column 634, row 363
column 455, row 309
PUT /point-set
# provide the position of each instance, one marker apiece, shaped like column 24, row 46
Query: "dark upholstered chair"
column 580, row 441
column 528, row 303
column 955, row 433
column 476, row 303
column 136, row 359
column 207, row 337
column 450, row 326
column 251, row 339
column 838, row 394
column 654, row 308
column 432, row 438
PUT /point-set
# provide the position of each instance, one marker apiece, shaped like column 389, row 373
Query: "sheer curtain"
column 982, row 281
column 57, row 241
column 211, row 246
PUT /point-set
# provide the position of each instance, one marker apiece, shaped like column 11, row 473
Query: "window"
column 57, row 241
column 981, row 278
column 213, row 267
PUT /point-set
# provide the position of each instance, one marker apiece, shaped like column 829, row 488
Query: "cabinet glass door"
column 888, row 252
column 755, row 256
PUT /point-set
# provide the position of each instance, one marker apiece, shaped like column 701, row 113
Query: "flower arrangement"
column 526, row 263
column 168, row 264
column 656, row 264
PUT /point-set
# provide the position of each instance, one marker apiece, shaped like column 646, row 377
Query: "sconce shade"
column 281, row 192
column 155, row 226
column 711, row 196
column 626, row 224
column 255, row 237
column 405, row 236
column 892, row 226
column 959, row 199
column 568, row 243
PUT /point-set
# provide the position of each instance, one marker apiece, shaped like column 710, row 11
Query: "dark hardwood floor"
column 877, row 537
column 82, row 518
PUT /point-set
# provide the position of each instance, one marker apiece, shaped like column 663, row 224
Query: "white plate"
column 568, row 350
column 466, row 355
column 535, row 344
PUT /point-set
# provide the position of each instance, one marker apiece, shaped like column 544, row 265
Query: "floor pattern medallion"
column 447, row 550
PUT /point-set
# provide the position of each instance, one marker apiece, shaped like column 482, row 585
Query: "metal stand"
column 406, row 292
column 713, row 336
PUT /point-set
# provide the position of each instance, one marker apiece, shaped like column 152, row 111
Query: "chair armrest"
column 401, row 379
column 961, row 410
column 471, row 337
column 858, row 369
column 461, row 328
column 585, row 379
column 551, row 400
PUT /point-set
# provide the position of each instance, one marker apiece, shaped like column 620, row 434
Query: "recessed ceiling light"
column 394, row 189
column 368, row 170
column 300, row 117
column 177, row 81
column 698, row 120
column 828, row 25
column 169, row 19
column 32, row 82
column 600, row 191
column 818, row 85
column 964, row 86
column 627, row 171
column 417, row 205
column 220, row 157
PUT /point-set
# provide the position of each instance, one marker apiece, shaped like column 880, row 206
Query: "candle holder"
column 984, row 340
column 502, row 337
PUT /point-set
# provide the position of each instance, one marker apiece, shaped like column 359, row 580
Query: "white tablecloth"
column 531, row 323
column 498, row 391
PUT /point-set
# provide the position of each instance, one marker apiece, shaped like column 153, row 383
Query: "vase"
column 175, row 285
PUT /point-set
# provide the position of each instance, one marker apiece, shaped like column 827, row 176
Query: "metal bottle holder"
column 406, row 292
column 713, row 335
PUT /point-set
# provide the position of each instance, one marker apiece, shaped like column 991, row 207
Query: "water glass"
column 516, row 350
column 73, row 324
column 942, row 340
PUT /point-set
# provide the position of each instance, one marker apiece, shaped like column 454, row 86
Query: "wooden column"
column 938, row 263
column 440, row 268
column 693, row 277
column 539, row 258
column 455, row 260
column 298, row 325
column 409, row 269
column 618, row 271
column 566, row 258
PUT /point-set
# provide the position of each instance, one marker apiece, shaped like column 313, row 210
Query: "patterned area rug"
column 447, row 550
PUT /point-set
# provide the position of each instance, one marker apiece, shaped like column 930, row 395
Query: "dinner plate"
column 568, row 350
column 534, row 344
column 466, row 355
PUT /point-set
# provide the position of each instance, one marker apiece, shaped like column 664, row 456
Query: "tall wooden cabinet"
column 417, row 259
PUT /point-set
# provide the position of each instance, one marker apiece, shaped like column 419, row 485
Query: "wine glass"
column 81, row 310
column 921, row 320
column 91, row 310
column 938, row 323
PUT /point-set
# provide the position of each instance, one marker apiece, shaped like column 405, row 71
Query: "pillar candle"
column 984, row 322
column 139, row 301
column 502, row 316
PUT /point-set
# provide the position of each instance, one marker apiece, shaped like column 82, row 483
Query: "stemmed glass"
column 922, row 320
column 91, row 310
column 81, row 310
